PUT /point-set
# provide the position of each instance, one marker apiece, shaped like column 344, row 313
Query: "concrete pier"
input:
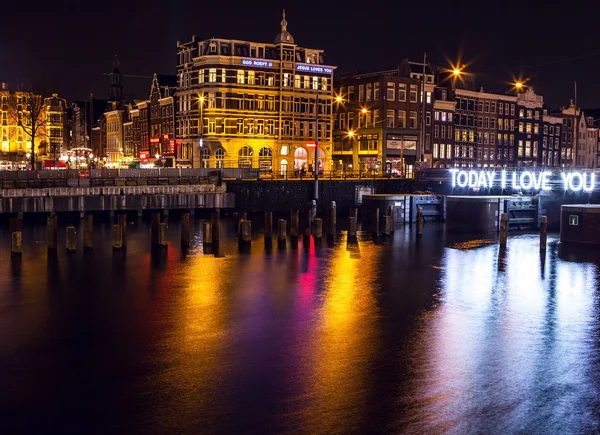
column 16, row 245
column 268, row 225
column 281, row 233
column 88, row 232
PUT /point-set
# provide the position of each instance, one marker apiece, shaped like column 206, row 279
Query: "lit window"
column 250, row 77
column 240, row 76
column 201, row 76
column 297, row 81
column 212, row 75
column 286, row 79
column 315, row 83
column 223, row 75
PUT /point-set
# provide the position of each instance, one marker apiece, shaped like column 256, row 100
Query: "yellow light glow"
column 456, row 72
column 518, row 85
column 350, row 133
column 339, row 98
column 364, row 110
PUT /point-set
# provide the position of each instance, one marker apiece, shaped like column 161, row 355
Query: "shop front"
column 401, row 151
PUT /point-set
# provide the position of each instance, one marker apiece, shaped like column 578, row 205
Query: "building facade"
column 530, row 131
column 247, row 104
column 378, row 120
column 443, row 128
column 57, row 137
column 551, row 139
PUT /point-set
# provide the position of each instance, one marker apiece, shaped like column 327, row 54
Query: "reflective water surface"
column 439, row 335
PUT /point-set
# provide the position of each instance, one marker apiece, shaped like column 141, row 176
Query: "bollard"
column 154, row 225
column 117, row 233
column 420, row 221
column 351, row 229
column 268, row 225
column 16, row 243
column 387, row 225
column 88, row 231
column 376, row 222
column 52, row 232
column 71, row 239
column 354, row 214
column 207, row 233
column 215, row 227
column 185, row 229
column 281, row 233
column 163, row 236
column 332, row 221
column 543, row 233
column 503, row 229
column 318, row 232
column 245, row 237
column 122, row 220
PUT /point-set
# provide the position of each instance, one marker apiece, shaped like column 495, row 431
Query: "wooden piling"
column 16, row 243
column 331, row 231
column 15, row 225
column 318, row 232
column 88, row 231
column 52, row 232
column 352, row 229
column 215, row 227
column 245, row 237
column 154, row 227
column 163, row 237
column 207, row 238
column 543, row 233
column 307, row 222
column 281, row 233
column 387, row 225
column 420, row 221
column 122, row 220
column 117, row 233
column 185, row 229
column 268, row 225
column 503, row 230
column 71, row 239
column 294, row 218
column 375, row 223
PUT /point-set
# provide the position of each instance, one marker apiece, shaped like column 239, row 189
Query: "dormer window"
column 212, row 48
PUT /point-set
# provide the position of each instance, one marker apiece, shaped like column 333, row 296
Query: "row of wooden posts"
column 543, row 231
column 159, row 230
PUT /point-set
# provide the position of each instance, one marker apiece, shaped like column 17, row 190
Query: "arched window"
column 265, row 159
column 245, row 157
column 321, row 161
column 220, row 158
column 205, row 155
column 300, row 159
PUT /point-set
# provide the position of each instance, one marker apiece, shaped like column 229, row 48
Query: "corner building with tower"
column 254, row 105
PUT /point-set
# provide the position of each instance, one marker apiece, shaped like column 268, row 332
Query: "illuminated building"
column 114, row 133
column 443, row 125
column 378, row 122
column 551, row 139
column 56, row 125
column 15, row 141
column 252, row 104
column 529, row 131
column 484, row 129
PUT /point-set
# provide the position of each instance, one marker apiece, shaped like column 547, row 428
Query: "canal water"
column 439, row 335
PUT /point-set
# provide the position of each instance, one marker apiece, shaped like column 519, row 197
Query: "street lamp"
column 201, row 131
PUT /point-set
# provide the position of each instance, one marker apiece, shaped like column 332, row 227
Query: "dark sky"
column 66, row 46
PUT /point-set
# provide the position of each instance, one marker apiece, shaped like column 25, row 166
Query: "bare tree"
column 28, row 110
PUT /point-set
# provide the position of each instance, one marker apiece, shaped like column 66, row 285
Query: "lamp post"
column 316, row 164
column 201, row 132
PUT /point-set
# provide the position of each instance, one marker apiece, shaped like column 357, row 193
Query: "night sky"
column 66, row 46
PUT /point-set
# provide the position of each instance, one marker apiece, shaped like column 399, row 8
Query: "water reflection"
column 437, row 334
column 342, row 344
column 506, row 349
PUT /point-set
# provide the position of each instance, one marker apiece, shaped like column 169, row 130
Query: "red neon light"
column 311, row 145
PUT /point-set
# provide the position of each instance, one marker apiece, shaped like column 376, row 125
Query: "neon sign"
column 314, row 69
column 522, row 180
column 254, row 62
